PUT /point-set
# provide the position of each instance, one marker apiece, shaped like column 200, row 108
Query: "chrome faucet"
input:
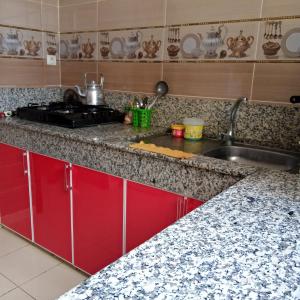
column 230, row 135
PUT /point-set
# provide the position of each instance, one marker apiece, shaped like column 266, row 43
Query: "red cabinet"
column 98, row 219
column 14, row 191
column 149, row 210
column 51, row 204
column 192, row 204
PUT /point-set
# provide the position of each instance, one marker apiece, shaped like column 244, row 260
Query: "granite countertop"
column 119, row 136
column 242, row 244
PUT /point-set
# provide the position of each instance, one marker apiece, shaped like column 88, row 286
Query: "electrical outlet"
column 51, row 60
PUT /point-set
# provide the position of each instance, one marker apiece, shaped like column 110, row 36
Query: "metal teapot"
column 93, row 94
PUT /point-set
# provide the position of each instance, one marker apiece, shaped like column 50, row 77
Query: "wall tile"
column 195, row 11
column 273, row 47
column 79, row 46
column 51, row 75
column 21, row 13
column 282, row 81
column 147, row 44
column 21, row 72
column 190, row 42
column 130, row 13
column 51, row 44
column 78, row 17
column 222, row 80
column 51, row 2
column 134, row 77
column 276, row 8
column 72, row 72
column 24, row 43
column 50, row 18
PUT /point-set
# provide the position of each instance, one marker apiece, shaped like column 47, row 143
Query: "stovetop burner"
column 70, row 115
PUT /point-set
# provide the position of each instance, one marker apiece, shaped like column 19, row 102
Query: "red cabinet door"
column 14, row 192
column 98, row 219
column 51, row 204
column 149, row 211
column 192, row 204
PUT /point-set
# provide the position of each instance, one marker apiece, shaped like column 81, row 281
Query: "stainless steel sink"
column 256, row 157
column 240, row 153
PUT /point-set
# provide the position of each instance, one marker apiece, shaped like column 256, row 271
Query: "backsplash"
column 257, row 123
column 12, row 98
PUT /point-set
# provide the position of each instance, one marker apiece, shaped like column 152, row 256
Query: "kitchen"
column 92, row 207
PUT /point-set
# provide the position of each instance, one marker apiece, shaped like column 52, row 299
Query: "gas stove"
column 70, row 115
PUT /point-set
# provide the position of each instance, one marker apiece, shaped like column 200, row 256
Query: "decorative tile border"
column 253, row 41
column 21, row 43
column 233, row 41
column 81, row 46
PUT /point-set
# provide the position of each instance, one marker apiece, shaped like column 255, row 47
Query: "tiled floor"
column 27, row 272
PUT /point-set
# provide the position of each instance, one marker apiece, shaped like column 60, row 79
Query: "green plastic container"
column 141, row 117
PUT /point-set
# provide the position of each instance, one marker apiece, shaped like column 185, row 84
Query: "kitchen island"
column 242, row 244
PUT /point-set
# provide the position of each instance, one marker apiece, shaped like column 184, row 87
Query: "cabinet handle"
column 25, row 163
column 66, row 181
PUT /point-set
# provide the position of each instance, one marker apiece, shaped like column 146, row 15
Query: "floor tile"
column 16, row 294
column 5, row 285
column 10, row 242
column 53, row 283
column 26, row 263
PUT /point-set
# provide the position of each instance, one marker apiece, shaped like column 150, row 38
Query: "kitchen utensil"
column 295, row 99
column 70, row 96
column 290, row 43
column 93, row 93
column 142, row 117
column 144, row 102
column 161, row 89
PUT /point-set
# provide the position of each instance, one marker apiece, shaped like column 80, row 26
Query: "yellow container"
column 193, row 128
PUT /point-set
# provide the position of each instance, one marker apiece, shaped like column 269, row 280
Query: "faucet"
column 230, row 135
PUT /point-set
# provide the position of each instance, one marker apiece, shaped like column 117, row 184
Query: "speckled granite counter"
column 106, row 148
column 242, row 244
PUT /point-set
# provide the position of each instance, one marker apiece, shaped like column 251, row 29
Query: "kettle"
column 93, row 94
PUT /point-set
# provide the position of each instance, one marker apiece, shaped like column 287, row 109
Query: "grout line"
column 252, row 82
column 13, row 251
column 38, row 275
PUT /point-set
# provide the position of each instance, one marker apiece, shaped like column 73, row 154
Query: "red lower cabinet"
column 98, row 219
column 192, row 204
column 14, row 192
column 149, row 211
column 51, row 204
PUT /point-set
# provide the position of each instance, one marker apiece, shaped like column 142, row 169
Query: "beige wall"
column 33, row 22
column 183, row 25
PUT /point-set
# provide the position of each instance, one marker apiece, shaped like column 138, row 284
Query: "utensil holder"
column 141, row 117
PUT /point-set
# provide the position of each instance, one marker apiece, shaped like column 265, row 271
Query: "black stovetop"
column 70, row 115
